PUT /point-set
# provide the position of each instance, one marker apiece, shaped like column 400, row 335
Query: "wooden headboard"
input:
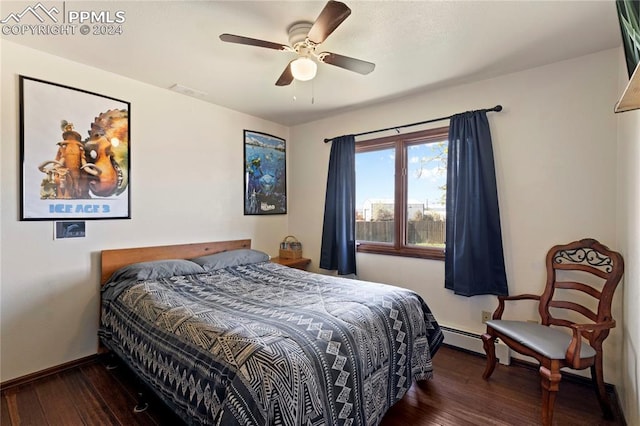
column 112, row 260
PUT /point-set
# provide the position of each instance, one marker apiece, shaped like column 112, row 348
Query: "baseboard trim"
column 19, row 381
column 473, row 342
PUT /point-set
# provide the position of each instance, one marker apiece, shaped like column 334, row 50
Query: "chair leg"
column 488, row 342
column 597, row 378
column 550, row 381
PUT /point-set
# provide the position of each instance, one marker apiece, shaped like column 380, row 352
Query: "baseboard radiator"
column 472, row 342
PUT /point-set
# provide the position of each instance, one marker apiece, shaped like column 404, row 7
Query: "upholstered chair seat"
column 547, row 341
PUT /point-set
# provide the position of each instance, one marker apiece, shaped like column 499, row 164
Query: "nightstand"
column 299, row 263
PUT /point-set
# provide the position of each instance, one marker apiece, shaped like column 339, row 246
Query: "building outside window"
column 400, row 194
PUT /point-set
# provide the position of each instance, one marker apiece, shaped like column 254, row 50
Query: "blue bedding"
column 263, row 344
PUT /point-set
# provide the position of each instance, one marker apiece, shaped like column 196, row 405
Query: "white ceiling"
column 416, row 46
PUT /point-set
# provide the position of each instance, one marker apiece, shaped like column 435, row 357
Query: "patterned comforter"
column 264, row 344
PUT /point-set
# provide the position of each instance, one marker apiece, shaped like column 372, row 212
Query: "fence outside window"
column 419, row 232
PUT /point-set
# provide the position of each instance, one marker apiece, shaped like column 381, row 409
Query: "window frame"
column 400, row 143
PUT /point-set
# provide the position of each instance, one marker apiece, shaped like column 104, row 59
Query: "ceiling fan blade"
column 332, row 15
column 286, row 77
column 351, row 64
column 230, row 38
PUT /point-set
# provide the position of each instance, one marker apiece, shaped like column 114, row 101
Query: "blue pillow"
column 231, row 258
column 157, row 269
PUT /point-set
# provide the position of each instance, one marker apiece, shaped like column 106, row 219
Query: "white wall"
column 186, row 186
column 556, row 164
column 629, row 236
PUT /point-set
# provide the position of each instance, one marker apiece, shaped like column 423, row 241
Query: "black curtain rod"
column 496, row 108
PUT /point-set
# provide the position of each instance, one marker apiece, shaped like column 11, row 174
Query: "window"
column 400, row 194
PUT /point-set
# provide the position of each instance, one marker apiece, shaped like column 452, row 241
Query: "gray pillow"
column 157, row 269
column 231, row 258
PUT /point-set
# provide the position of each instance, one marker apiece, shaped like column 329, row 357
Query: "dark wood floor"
column 92, row 395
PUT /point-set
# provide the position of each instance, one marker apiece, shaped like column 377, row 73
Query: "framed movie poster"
column 265, row 182
column 74, row 153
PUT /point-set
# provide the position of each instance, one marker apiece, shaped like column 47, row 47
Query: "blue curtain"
column 338, row 250
column 474, row 260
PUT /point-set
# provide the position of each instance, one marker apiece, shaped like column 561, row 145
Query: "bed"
column 223, row 336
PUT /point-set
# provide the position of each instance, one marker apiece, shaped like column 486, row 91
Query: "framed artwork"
column 69, row 229
column 265, row 181
column 629, row 19
column 74, row 152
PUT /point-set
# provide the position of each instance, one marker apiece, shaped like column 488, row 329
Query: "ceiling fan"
column 304, row 39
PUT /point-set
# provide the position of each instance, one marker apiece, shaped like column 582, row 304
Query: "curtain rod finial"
column 497, row 108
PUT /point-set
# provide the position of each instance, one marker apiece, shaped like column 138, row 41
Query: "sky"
column 375, row 171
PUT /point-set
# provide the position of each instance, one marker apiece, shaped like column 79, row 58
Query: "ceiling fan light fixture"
column 304, row 39
column 304, row 69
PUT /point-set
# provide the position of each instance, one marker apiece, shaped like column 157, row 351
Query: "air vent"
column 188, row 91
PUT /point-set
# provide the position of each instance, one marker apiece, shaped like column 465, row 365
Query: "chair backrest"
column 600, row 269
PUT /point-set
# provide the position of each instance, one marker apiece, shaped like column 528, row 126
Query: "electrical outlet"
column 486, row 316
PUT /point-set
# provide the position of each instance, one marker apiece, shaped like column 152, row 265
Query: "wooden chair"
column 579, row 264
